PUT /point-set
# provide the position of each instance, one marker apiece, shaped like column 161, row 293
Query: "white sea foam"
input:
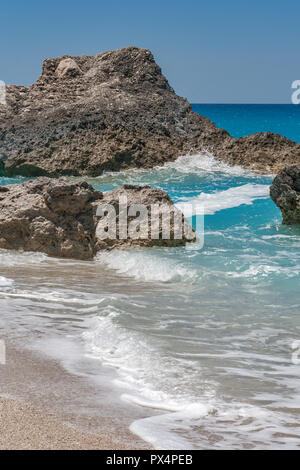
column 16, row 258
column 64, row 298
column 5, row 282
column 141, row 366
column 232, row 197
column 141, row 374
column 203, row 163
column 160, row 431
column 175, row 430
column 152, row 379
column 199, row 164
column 264, row 270
column 145, row 265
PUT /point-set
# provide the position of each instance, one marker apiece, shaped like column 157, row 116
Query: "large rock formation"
column 92, row 113
column 285, row 192
column 114, row 111
column 59, row 218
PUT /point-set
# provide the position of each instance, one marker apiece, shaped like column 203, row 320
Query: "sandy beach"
column 24, row 428
column 32, row 414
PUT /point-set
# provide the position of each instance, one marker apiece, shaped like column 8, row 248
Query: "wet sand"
column 34, row 414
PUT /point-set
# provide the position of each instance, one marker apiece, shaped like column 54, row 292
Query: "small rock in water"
column 285, row 192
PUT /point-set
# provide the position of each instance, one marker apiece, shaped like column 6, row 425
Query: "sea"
column 204, row 339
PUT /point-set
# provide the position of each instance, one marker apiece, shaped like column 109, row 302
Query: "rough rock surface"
column 114, row 111
column 285, row 192
column 92, row 113
column 263, row 152
column 50, row 216
column 58, row 217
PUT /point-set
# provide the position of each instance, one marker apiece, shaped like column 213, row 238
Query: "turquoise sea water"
column 204, row 339
column 241, row 120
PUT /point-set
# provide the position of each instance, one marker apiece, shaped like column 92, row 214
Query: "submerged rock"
column 285, row 192
column 59, row 217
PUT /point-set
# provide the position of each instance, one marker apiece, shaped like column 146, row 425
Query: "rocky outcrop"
column 51, row 216
column 88, row 114
column 285, row 192
column 59, row 217
column 263, row 152
column 114, row 111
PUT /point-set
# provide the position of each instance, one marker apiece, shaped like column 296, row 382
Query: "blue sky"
column 211, row 51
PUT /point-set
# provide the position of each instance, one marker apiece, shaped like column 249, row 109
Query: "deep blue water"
column 244, row 119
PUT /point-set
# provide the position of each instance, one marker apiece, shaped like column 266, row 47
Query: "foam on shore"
column 145, row 265
column 5, row 282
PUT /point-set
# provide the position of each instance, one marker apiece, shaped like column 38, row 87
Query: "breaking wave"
column 146, row 265
column 232, row 197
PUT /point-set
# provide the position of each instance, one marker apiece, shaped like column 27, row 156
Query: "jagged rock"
column 263, row 152
column 67, row 68
column 114, row 111
column 50, row 216
column 285, row 192
column 92, row 113
column 58, row 217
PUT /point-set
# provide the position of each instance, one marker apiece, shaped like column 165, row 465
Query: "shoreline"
column 36, row 421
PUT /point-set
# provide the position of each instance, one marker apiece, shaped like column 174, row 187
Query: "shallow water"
column 206, row 335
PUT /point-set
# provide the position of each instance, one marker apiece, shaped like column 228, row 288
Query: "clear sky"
column 212, row 51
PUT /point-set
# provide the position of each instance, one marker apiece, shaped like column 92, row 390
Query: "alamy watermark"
column 2, row 92
column 296, row 94
column 123, row 221
column 295, row 346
